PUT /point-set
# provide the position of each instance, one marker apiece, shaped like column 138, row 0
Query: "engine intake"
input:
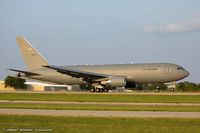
column 115, row 82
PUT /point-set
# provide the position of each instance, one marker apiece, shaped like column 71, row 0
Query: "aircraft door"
column 166, row 70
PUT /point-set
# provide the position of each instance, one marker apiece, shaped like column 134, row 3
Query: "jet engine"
column 115, row 82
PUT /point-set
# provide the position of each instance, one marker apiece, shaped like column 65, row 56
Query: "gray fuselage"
column 136, row 73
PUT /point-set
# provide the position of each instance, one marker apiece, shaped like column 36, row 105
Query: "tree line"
column 180, row 87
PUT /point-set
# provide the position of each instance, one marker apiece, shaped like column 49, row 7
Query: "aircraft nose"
column 183, row 73
column 186, row 73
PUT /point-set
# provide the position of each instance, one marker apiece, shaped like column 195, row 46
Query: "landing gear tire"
column 106, row 90
column 97, row 90
column 92, row 90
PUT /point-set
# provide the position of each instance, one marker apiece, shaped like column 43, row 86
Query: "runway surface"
column 99, row 103
column 89, row 113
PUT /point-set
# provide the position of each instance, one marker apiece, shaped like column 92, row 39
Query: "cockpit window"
column 180, row 68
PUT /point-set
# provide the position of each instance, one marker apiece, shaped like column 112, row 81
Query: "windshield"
column 180, row 68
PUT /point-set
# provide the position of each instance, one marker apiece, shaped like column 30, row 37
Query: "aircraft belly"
column 151, row 77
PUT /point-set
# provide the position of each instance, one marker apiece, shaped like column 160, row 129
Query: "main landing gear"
column 99, row 89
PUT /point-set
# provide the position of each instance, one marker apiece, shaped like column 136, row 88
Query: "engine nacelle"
column 115, row 82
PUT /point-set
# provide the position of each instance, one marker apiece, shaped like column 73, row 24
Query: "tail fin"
column 32, row 57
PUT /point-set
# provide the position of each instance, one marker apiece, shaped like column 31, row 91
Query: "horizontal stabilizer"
column 16, row 76
column 25, row 72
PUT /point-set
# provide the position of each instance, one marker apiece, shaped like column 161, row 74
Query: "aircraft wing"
column 25, row 72
column 87, row 76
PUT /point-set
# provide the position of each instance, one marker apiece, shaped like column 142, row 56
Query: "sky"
column 70, row 32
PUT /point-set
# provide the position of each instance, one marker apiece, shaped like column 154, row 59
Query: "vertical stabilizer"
column 31, row 56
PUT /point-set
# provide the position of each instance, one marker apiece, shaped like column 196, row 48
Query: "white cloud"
column 187, row 26
column 149, row 28
column 173, row 27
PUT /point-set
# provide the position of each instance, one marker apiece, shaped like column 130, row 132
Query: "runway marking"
column 87, row 113
column 99, row 103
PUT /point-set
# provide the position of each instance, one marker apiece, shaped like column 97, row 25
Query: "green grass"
column 100, row 107
column 102, row 97
column 99, row 125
